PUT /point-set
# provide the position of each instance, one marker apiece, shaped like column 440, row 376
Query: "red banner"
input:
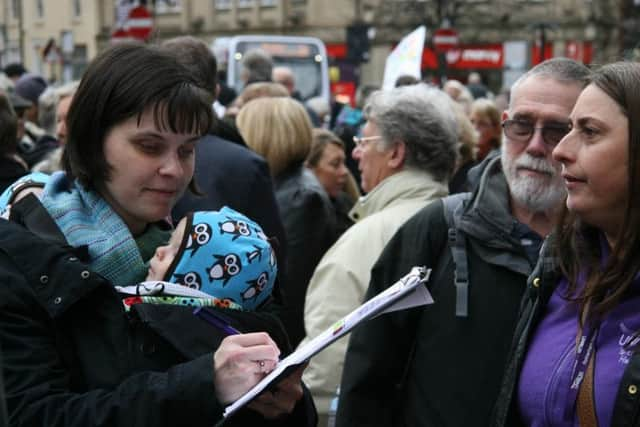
column 489, row 56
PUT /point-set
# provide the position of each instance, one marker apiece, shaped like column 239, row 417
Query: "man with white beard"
column 442, row 364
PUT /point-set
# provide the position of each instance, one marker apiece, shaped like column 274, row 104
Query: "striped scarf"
column 86, row 219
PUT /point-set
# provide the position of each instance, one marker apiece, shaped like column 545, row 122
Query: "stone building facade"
column 598, row 30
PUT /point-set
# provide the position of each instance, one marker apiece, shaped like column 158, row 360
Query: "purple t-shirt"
column 543, row 388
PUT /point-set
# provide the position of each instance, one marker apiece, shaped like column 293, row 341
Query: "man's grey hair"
column 423, row 118
column 257, row 66
column 48, row 104
column 563, row 70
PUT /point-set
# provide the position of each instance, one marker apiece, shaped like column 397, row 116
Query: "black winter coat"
column 10, row 171
column 73, row 357
column 310, row 227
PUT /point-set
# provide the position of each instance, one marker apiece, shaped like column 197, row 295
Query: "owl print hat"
column 226, row 255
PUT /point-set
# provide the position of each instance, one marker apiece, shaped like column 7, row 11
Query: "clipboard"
column 405, row 293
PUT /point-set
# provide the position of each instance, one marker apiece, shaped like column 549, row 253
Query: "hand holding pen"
column 240, row 362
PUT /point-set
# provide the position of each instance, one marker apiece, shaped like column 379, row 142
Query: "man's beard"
column 537, row 194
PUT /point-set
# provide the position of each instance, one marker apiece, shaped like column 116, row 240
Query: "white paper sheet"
column 406, row 292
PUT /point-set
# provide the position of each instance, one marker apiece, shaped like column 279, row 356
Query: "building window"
column 223, row 4
column 77, row 8
column 163, row 7
column 268, row 3
column 245, row 4
column 40, row 9
column 15, row 9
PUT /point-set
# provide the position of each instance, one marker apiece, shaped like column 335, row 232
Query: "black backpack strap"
column 30, row 213
column 458, row 245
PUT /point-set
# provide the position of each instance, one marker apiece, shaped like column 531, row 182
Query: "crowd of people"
column 164, row 242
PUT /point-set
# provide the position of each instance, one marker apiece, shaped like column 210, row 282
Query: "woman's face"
column 331, row 170
column 150, row 169
column 487, row 132
column 594, row 157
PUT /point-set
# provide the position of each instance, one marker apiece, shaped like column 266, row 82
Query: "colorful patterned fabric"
column 176, row 300
column 226, row 255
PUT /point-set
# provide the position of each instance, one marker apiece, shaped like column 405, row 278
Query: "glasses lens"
column 553, row 134
column 518, row 130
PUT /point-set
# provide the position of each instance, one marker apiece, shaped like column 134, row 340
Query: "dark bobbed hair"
column 578, row 244
column 122, row 82
column 196, row 56
column 8, row 127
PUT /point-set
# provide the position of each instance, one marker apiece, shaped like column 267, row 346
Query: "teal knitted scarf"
column 86, row 219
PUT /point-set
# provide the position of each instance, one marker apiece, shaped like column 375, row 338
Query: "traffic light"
column 358, row 43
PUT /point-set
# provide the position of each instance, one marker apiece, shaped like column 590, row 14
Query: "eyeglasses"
column 361, row 142
column 522, row 131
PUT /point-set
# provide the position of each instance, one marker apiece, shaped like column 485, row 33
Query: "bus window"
column 305, row 56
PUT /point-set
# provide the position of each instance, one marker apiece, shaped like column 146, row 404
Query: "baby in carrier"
column 214, row 258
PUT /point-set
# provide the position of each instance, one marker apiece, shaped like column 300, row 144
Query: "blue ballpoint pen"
column 215, row 320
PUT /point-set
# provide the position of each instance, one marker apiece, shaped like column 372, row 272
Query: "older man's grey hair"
column 423, row 118
column 563, row 70
column 257, row 66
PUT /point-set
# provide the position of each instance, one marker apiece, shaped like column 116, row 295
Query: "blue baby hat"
column 226, row 255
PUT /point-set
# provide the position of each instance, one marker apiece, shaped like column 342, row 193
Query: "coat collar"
column 408, row 184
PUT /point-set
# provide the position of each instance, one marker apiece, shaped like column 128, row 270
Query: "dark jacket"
column 540, row 286
column 3, row 404
column 426, row 366
column 10, row 171
column 232, row 175
column 33, row 153
column 73, row 357
column 310, row 227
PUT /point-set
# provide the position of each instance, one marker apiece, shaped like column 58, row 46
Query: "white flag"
column 406, row 58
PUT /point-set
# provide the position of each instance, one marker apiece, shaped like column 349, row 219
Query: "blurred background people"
column 467, row 146
column 279, row 129
column 459, row 93
column 321, row 109
column 14, row 71
column 407, row 153
column 326, row 160
column 256, row 66
column 285, row 77
column 349, row 122
column 254, row 91
column 12, row 166
column 476, row 87
column 406, row 80
column 54, row 105
column 35, row 144
column 485, row 118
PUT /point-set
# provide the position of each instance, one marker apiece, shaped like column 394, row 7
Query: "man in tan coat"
column 406, row 155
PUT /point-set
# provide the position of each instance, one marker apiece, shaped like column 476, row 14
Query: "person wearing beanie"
column 30, row 86
column 217, row 258
column 35, row 144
